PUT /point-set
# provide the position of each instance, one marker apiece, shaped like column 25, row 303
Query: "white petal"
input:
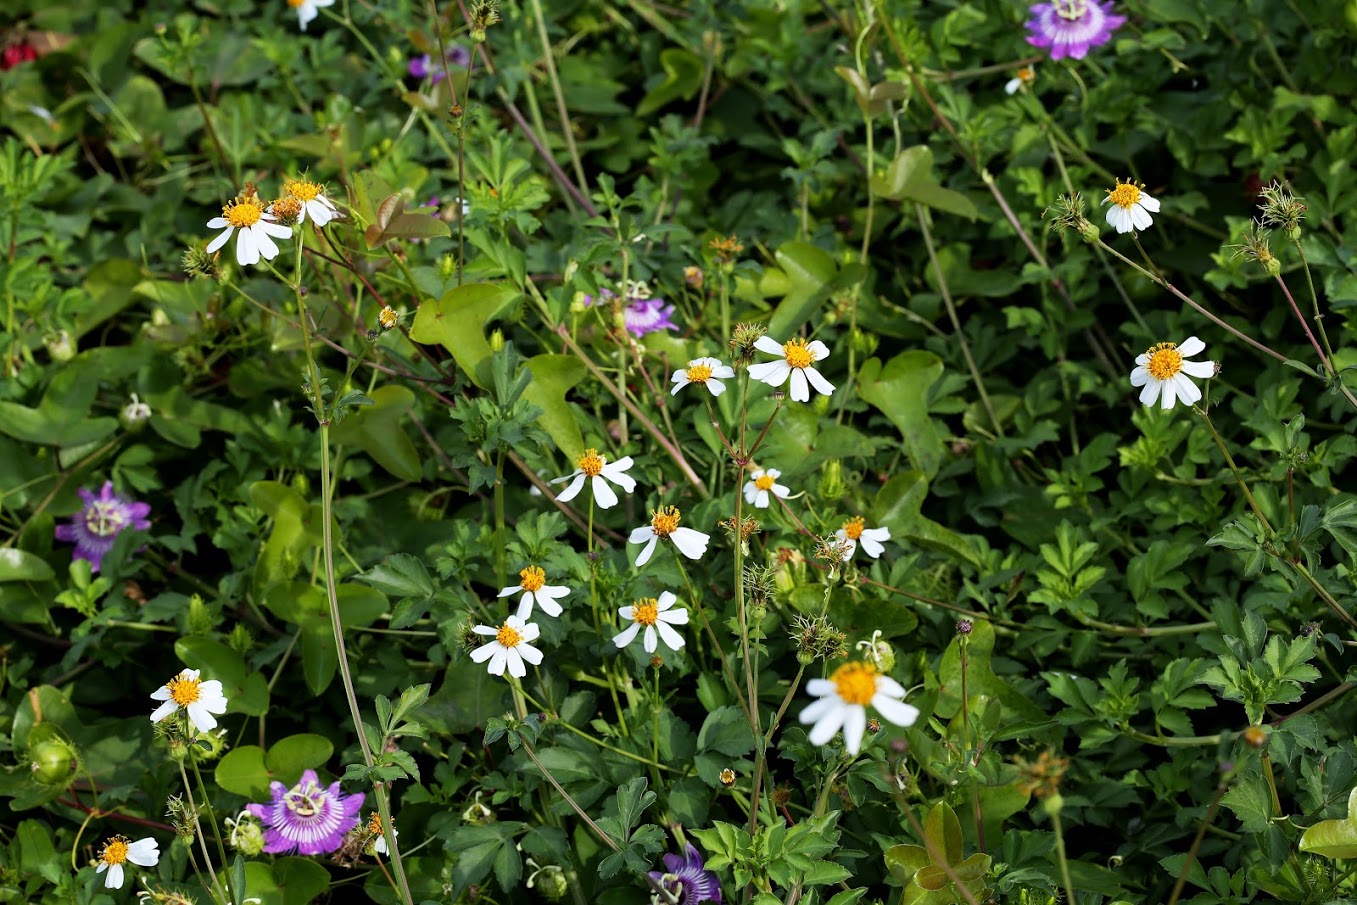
column 828, row 725
column 497, row 662
column 640, row 535
column 649, row 642
column 781, row 491
column 163, row 711
column 761, row 499
column 491, row 630
column 680, row 381
column 627, row 635
column 649, row 549
column 1139, row 376
column 483, row 653
column 675, row 617
column 690, row 543
column 574, row 489
column 665, row 601
column 751, row 492
column 897, row 712
column 1170, row 396
column 1202, row 370
column 603, row 494
column 145, row 852
column 819, row 708
column 507, row 591
column 200, row 718
column 530, row 653
column 871, row 546
column 1190, row 346
column 1150, row 204
column 549, row 606
column 888, row 686
column 219, row 223
column 817, row 349
column 716, row 387
column 769, row 345
column 1150, row 394
column 266, row 246
column 1187, row 390
column 515, row 659
column 672, row 638
column 1012, row 86
column 1141, row 217
column 114, row 880
column 818, row 381
column 1119, row 219
column 1142, row 359
column 725, row 372
column 626, row 612
column 820, row 687
column 247, row 253
column 800, row 389
column 275, row 229
column 221, row 237
column 773, row 373
column 854, row 725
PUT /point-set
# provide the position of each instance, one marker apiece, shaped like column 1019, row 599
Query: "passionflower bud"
column 53, row 762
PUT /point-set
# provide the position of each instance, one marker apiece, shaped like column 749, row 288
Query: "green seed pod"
column 54, row 762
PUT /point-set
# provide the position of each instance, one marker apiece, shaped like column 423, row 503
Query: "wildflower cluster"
column 255, row 224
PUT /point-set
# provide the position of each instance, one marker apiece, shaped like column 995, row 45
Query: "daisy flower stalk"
column 762, row 486
column 94, row 528
column 509, row 648
column 200, row 699
column 118, row 851
column 533, row 585
column 855, row 532
column 798, row 358
column 707, row 372
column 254, row 228
column 657, row 616
column 1131, row 207
column 598, row 471
column 1070, row 28
column 664, row 523
column 1162, row 372
column 308, row 818
column 842, row 701
column 307, row 10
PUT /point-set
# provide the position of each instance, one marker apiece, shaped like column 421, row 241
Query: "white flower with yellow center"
column 664, row 523
column 118, row 851
column 708, row 372
column 378, row 837
column 797, row 358
column 855, row 531
column 1026, row 76
column 843, row 700
column 533, row 585
column 201, row 699
column 656, row 616
column 1131, row 207
column 510, row 647
column 595, row 468
column 255, row 226
column 762, row 485
column 312, row 197
column 307, row 10
column 1164, row 370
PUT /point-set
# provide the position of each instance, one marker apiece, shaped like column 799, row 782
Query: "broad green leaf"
column 20, row 565
column 980, row 678
column 59, row 419
column 246, row 691
column 683, row 72
column 400, row 575
column 943, row 832
column 1251, row 801
column 899, row 390
column 458, row 320
column 897, row 507
column 242, row 771
column 376, row 430
column 37, row 855
column 1334, row 838
column 289, row 757
column 552, row 377
column 288, row 881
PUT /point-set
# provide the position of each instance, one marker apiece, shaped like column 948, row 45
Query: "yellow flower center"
column 1027, row 74
column 1124, row 195
column 853, row 527
column 115, row 851
column 532, row 578
column 241, row 214
column 699, row 373
column 302, row 190
column 295, row 3
column 1165, row 361
column 375, row 823
column 287, row 209
column 1071, row 9
column 183, row 689
column 664, row 520
column 855, row 683
column 765, row 482
column 508, row 636
column 646, row 612
column 798, row 356
column 387, row 318
column 591, row 463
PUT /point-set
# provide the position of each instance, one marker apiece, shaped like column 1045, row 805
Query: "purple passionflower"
column 1070, row 27
column 308, row 817
column 421, row 67
column 641, row 316
column 688, row 878
column 94, row 528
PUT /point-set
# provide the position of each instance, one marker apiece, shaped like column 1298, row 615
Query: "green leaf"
column 899, row 390
column 377, row 431
column 242, row 771
column 458, row 320
column 59, row 419
column 1334, row 838
column 1251, row 801
column 909, row 179
column 288, row 881
column 400, row 575
column 683, row 73
column 37, row 854
column 552, row 377
column 898, row 507
column 20, row 565
column 391, row 222
column 289, row 757
column 943, row 832
column 246, row 691
column 980, row 678
column 726, row 731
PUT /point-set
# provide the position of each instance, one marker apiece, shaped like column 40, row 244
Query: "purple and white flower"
column 688, row 878
column 308, row 818
column 1070, row 27
column 639, row 315
column 94, row 528
column 423, row 66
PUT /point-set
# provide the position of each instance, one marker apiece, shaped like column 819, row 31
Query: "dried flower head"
column 1041, row 777
column 817, row 639
column 693, row 276
column 287, row 209
column 740, row 531
column 759, row 583
column 198, row 262
column 1255, row 247
column 725, row 249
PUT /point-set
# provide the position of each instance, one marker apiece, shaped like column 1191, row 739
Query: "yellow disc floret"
column 852, row 528
column 183, row 689
column 508, row 636
column 115, row 850
column 241, row 214
column 532, row 578
column 591, row 463
column 798, row 356
column 646, row 611
column 1165, row 361
column 699, row 373
column 664, row 520
column 855, row 683
column 302, row 190
column 1124, row 195
column 765, row 482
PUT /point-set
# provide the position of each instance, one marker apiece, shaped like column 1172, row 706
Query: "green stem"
column 1064, row 860
column 549, row 58
column 218, row 885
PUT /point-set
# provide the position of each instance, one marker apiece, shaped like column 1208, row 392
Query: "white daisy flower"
column 664, row 522
column 707, row 371
column 654, row 615
column 797, row 358
column 855, row 532
column 312, row 197
column 379, row 838
column 535, row 590
column 1025, row 77
column 510, row 647
column 256, row 226
column 307, row 10
column 762, row 483
column 843, row 700
column 201, row 699
column 1164, row 369
column 118, row 851
column 1131, row 207
column 596, row 467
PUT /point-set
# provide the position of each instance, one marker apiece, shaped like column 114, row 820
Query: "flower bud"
column 831, row 479
column 693, row 277
column 1052, row 804
column 53, row 762
column 59, row 345
column 964, row 627
column 1088, row 232
column 1254, row 736
column 247, row 834
column 550, row 882
column 864, row 342
column 200, row 620
column 496, row 340
column 208, row 746
column 727, row 777
column 134, row 415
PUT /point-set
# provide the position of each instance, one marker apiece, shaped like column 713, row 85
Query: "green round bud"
column 1088, row 232
column 247, row 835
column 1292, row 232
column 1053, row 804
column 1272, row 267
column 550, row 881
column 53, row 762
column 59, row 345
column 805, row 657
column 477, row 35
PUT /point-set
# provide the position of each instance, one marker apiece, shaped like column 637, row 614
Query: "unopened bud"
column 831, row 480
column 1088, row 232
column 1052, row 804
column 134, row 415
column 727, row 777
column 496, row 340
column 53, row 762
column 964, row 627
column 59, row 345
column 1254, row 736
column 199, row 620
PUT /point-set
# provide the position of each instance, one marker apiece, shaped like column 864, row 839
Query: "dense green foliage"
column 1125, row 628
